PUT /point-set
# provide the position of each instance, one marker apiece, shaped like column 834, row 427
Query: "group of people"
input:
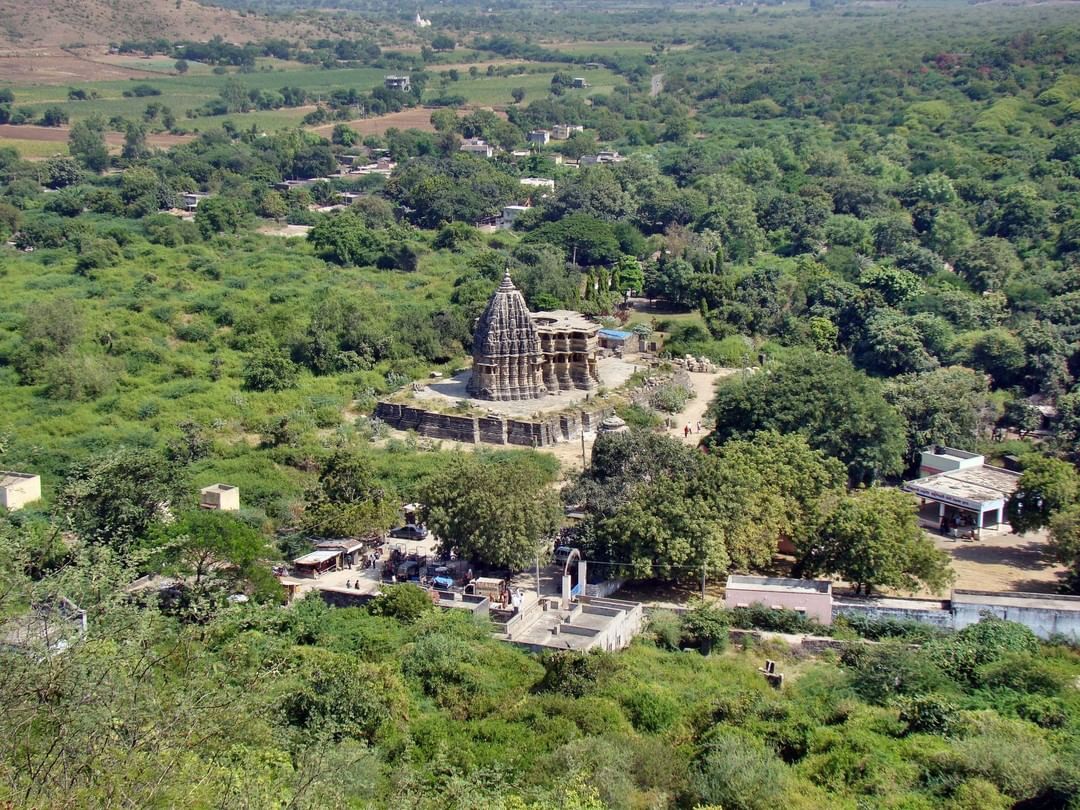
column 688, row 430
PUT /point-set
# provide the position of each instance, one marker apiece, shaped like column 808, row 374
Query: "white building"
column 538, row 182
column 605, row 156
column 18, row 489
column 420, row 22
column 400, row 83
column 510, row 213
column 970, row 493
column 540, row 137
column 478, row 146
column 220, row 496
column 561, row 132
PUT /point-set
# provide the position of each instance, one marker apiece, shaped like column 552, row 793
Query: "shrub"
column 735, row 771
column 665, row 629
column 928, row 714
column 651, row 710
column 706, row 626
column 406, row 603
column 991, row 639
column 576, row 674
column 887, row 671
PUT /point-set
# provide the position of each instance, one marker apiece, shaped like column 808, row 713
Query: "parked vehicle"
column 562, row 554
column 410, row 531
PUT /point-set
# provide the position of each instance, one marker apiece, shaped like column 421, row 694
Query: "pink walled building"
column 811, row 597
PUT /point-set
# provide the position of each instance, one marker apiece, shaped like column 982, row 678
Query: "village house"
column 539, row 137
column 402, row 84
column 18, row 489
column 562, row 132
column 478, row 146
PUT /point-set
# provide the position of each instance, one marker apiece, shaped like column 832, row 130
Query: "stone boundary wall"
column 934, row 612
column 501, row 430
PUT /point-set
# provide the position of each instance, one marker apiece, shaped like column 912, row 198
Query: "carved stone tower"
column 507, row 359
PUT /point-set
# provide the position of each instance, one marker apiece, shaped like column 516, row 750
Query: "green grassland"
column 496, row 89
column 170, row 315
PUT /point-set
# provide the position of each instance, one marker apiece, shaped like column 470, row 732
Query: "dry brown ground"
column 418, row 118
column 53, row 66
column 30, row 132
column 42, row 23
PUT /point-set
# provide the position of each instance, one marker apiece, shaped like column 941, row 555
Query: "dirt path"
column 696, row 410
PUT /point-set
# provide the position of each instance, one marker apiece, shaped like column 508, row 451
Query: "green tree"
column 443, row 42
column 344, row 135
column 269, row 369
column 873, row 539
column 272, row 205
column 949, row 406
column 517, row 94
column 181, row 66
column 496, row 509
column 220, row 215
column 1046, row 486
column 988, row 264
column 349, row 501
column 840, row 411
column 115, row 498
column 343, row 238
column 214, row 550
column 86, row 142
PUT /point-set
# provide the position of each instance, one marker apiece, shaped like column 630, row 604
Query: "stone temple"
column 520, row 355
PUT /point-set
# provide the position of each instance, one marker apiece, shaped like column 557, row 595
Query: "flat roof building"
column 220, row 496
column 970, row 493
column 810, row 597
column 400, row 83
column 18, row 489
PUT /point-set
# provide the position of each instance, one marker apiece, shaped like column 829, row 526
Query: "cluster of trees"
column 657, row 509
column 401, row 704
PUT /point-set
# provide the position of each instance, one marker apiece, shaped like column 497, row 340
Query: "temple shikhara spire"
column 507, row 361
column 522, row 355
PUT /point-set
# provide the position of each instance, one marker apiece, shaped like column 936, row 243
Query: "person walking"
column 686, row 431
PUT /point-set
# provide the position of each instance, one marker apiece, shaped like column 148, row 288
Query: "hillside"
column 53, row 23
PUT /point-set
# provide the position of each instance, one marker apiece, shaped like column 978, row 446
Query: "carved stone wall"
column 492, row 429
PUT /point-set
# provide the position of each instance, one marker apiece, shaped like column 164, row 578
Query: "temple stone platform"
column 443, row 410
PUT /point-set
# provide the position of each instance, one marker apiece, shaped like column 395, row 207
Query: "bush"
column 651, row 710
column 665, row 629
column 705, row 626
column 576, row 674
column 991, row 639
column 928, row 714
column 736, row 772
column 885, row 672
column 406, row 603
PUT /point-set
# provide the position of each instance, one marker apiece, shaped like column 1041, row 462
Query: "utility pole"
column 703, row 582
column 537, row 576
column 584, row 464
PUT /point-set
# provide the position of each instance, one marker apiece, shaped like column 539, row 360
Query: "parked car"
column 410, row 531
column 562, row 554
column 443, row 579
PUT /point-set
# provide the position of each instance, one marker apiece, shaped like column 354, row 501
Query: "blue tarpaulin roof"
column 615, row 333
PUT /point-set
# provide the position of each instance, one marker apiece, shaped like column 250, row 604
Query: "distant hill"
column 53, row 23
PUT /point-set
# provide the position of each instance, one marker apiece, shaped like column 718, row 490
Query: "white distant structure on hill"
column 420, row 22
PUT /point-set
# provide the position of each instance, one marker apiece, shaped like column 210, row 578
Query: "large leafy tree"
column 498, row 509
column 86, row 142
column 117, row 497
column 1047, row 486
column 717, row 512
column 948, row 406
column 216, row 550
column 345, row 239
column 837, row 408
column 349, row 500
column 872, row 538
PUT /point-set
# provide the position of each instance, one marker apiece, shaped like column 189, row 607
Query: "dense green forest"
column 878, row 207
